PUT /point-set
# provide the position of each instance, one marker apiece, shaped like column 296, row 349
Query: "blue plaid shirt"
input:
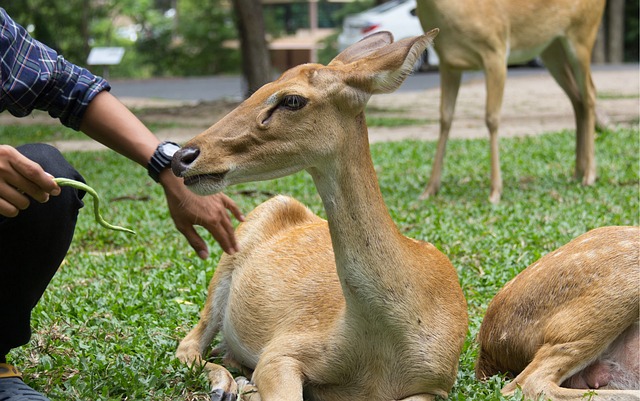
column 34, row 76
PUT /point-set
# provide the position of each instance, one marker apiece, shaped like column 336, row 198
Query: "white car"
column 396, row 16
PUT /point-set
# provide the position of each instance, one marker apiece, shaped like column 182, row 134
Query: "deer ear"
column 383, row 69
column 363, row 48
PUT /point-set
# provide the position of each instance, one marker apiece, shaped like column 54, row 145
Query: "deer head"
column 295, row 122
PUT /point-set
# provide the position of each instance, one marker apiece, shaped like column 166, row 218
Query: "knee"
column 492, row 121
column 50, row 159
column 63, row 206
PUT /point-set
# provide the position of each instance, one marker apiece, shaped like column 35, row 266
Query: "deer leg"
column 573, row 74
column 194, row 346
column 278, row 377
column 553, row 364
column 495, row 70
column 449, row 86
column 557, row 393
column 191, row 351
column 585, row 157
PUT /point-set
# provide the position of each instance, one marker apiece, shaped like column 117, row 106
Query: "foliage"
column 632, row 31
column 62, row 25
column 285, row 19
column 193, row 41
column 108, row 326
column 196, row 46
column 189, row 42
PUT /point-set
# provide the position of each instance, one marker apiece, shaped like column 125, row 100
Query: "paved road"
column 522, row 114
column 232, row 87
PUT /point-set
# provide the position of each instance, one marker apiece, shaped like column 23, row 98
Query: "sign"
column 105, row 56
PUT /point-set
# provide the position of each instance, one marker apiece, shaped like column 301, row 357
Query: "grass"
column 614, row 95
column 374, row 121
column 109, row 324
column 15, row 135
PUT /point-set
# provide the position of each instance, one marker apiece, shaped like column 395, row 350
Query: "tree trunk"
column 256, row 64
column 615, row 25
column 84, row 28
column 599, row 54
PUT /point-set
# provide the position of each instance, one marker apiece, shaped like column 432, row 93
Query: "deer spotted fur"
column 568, row 324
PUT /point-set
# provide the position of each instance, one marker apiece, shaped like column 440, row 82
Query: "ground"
column 532, row 105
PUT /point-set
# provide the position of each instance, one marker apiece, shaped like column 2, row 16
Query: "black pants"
column 32, row 247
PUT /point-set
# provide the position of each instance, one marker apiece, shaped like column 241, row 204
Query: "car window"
column 386, row 6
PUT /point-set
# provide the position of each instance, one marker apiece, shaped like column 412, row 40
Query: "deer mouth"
column 205, row 180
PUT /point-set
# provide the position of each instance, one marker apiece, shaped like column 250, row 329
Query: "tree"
column 62, row 25
column 617, row 39
column 615, row 24
column 256, row 63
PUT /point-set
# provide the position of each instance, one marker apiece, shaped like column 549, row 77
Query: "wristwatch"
column 161, row 159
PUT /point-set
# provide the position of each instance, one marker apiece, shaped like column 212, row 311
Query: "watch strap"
column 159, row 161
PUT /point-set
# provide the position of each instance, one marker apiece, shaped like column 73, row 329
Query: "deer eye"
column 293, row 102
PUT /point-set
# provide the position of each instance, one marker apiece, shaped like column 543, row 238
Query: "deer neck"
column 366, row 242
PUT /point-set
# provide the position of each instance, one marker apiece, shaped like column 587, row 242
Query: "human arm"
column 110, row 122
column 33, row 76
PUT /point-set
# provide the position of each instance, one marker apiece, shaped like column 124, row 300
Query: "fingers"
column 21, row 178
column 222, row 231
column 196, row 241
column 232, row 207
column 12, row 201
column 36, row 182
column 211, row 212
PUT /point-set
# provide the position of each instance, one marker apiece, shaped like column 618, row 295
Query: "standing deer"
column 348, row 309
column 489, row 34
column 568, row 324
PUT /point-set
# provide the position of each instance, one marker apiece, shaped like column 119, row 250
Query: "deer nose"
column 183, row 159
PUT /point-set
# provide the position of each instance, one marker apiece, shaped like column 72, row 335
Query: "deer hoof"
column 429, row 192
column 221, row 395
column 495, row 197
column 247, row 390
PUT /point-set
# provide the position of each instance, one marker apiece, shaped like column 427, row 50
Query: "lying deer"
column 488, row 35
column 345, row 310
column 568, row 324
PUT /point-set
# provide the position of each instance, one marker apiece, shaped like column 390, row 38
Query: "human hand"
column 19, row 177
column 188, row 209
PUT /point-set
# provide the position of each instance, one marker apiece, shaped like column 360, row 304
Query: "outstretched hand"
column 211, row 212
column 20, row 178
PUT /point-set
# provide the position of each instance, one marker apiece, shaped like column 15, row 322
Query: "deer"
column 491, row 34
column 566, row 328
column 345, row 308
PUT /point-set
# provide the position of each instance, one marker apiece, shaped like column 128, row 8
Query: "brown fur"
column 344, row 309
column 487, row 35
column 567, row 318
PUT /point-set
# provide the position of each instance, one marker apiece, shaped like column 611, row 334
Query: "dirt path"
column 532, row 105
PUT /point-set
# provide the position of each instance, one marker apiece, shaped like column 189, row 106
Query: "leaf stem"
column 96, row 202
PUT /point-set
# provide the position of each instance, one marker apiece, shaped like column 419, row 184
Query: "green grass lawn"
column 108, row 326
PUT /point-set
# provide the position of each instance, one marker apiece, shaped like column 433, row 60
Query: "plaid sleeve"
column 34, row 76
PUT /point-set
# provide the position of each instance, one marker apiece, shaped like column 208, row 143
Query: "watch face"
column 170, row 149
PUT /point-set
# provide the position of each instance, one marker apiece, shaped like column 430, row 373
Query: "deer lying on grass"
column 349, row 310
column 568, row 324
column 489, row 34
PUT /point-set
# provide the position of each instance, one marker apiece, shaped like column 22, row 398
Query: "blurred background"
column 255, row 38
